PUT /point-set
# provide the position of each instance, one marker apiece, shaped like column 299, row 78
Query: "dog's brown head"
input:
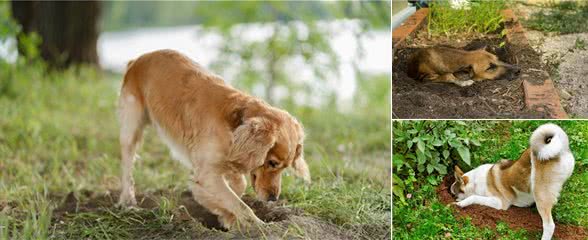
column 487, row 66
column 266, row 141
column 458, row 186
column 286, row 152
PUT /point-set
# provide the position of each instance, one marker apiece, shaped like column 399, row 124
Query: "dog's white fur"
column 552, row 163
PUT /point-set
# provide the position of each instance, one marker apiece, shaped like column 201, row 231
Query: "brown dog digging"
column 439, row 64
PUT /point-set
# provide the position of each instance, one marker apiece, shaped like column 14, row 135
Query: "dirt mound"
column 486, row 99
column 514, row 217
column 283, row 221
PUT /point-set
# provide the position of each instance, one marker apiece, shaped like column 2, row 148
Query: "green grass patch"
column 475, row 17
column 561, row 17
column 59, row 134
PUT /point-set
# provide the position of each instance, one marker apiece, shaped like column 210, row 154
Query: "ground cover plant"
column 561, row 17
column 420, row 213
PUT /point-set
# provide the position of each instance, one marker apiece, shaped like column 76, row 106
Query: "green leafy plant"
column 426, row 149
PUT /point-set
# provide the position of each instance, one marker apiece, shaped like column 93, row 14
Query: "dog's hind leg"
column 132, row 119
column 545, row 202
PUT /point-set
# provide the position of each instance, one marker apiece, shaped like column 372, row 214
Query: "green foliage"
column 562, row 17
column 426, row 149
column 424, row 217
column 478, row 17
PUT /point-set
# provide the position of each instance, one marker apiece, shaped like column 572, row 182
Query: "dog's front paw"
column 231, row 222
column 460, row 204
column 127, row 201
column 465, row 83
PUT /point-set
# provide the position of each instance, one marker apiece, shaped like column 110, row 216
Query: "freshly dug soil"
column 282, row 219
column 486, row 99
column 515, row 217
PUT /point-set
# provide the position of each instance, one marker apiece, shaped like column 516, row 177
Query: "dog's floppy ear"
column 251, row 142
column 299, row 165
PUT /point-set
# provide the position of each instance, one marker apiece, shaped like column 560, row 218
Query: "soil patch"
column 284, row 221
column 486, row 99
column 514, row 217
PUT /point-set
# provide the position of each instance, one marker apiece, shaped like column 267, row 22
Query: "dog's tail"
column 548, row 141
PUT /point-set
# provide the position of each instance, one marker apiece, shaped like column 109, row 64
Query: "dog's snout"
column 272, row 197
column 517, row 70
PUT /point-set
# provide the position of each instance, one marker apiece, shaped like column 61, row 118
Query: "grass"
column 58, row 134
column 424, row 217
column 477, row 17
column 561, row 17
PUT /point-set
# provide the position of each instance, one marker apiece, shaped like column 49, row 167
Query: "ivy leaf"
column 421, row 145
column 464, row 153
column 476, row 142
column 430, row 168
column 445, row 154
column 442, row 169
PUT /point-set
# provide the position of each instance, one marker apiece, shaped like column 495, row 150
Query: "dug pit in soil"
column 282, row 219
column 486, row 99
column 515, row 217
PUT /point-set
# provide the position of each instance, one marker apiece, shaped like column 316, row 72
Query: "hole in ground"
column 514, row 217
column 94, row 202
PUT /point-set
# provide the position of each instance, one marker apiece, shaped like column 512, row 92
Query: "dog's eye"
column 273, row 163
column 548, row 139
column 492, row 66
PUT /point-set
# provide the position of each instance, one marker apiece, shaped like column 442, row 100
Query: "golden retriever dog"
column 219, row 132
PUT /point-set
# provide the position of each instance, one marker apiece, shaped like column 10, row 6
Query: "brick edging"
column 538, row 96
column 410, row 25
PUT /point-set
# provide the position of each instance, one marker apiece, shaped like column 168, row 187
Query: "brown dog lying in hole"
column 439, row 64
column 219, row 132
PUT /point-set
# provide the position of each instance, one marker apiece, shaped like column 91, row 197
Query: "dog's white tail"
column 548, row 141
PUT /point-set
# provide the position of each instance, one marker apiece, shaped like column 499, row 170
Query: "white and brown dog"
column 219, row 132
column 536, row 177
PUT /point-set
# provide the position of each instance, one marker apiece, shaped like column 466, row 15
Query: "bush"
column 426, row 149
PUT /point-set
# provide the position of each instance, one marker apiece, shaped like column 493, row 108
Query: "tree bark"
column 69, row 30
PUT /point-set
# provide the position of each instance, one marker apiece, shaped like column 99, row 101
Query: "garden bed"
column 524, row 97
column 515, row 217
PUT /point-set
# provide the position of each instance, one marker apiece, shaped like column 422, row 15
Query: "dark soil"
column 284, row 221
column 486, row 99
column 514, row 217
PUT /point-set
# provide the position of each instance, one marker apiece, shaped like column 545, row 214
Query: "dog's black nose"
column 517, row 71
column 272, row 198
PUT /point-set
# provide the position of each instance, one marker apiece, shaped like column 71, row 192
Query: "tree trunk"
column 69, row 30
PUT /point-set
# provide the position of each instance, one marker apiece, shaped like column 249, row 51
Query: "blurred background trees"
column 68, row 30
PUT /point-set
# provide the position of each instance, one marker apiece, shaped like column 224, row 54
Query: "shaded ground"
column 515, row 217
column 486, row 99
column 187, row 221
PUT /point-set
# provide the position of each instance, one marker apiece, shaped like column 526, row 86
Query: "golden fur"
column 220, row 132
